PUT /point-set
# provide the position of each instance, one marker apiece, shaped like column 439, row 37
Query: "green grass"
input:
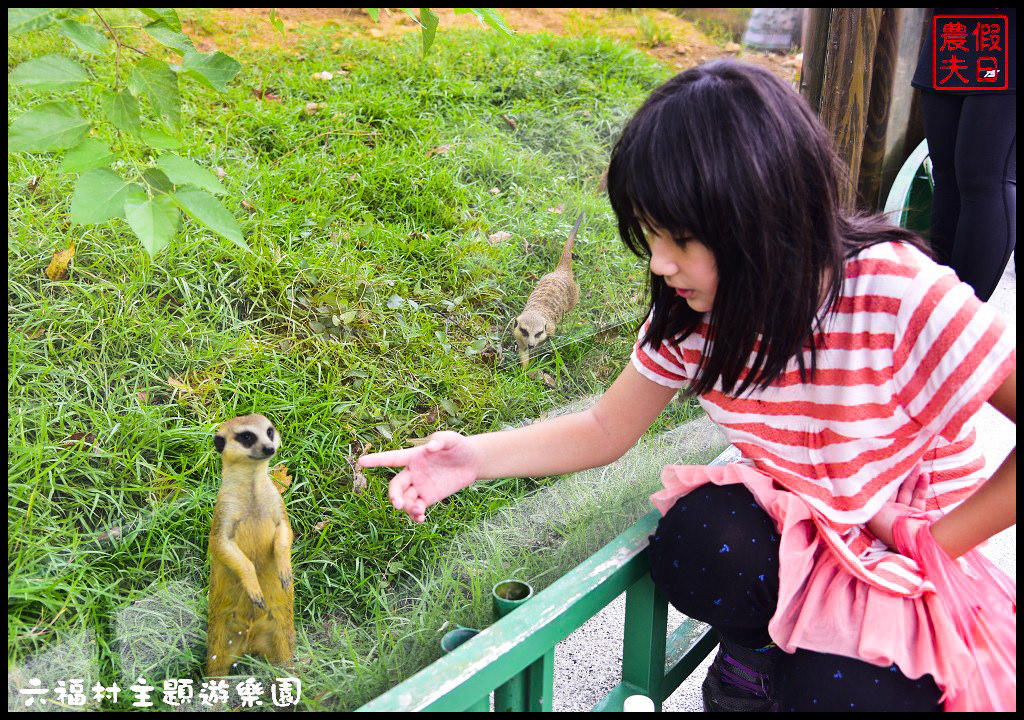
column 351, row 215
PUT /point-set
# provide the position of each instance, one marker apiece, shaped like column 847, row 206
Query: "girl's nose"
column 662, row 266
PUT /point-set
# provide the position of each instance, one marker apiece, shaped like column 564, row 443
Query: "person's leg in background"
column 972, row 145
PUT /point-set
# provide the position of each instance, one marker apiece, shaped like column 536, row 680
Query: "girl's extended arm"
column 569, row 443
column 990, row 510
column 448, row 462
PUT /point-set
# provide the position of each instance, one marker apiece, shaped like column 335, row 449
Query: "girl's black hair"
column 729, row 153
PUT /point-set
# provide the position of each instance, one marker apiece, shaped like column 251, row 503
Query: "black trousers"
column 715, row 555
column 972, row 142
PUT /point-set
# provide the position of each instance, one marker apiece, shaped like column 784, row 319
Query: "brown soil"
column 679, row 44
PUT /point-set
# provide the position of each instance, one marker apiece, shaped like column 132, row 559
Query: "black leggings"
column 715, row 555
column 972, row 142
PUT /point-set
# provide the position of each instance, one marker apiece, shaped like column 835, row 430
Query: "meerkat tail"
column 566, row 259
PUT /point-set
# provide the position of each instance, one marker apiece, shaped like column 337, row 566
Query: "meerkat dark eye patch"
column 270, row 433
column 218, row 444
column 538, row 334
column 247, row 439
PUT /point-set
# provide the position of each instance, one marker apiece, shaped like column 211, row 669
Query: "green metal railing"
column 910, row 199
column 521, row 644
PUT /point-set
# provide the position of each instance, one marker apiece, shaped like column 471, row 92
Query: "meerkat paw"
column 524, row 358
column 257, row 599
column 286, row 578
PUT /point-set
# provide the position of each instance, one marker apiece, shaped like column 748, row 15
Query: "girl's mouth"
column 684, row 293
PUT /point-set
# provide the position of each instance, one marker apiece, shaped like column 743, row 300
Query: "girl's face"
column 689, row 268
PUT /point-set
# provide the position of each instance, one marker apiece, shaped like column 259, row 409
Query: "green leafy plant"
column 152, row 185
column 428, row 21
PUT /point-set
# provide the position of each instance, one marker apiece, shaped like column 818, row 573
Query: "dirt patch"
column 676, row 42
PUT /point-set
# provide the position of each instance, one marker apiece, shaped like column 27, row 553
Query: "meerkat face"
column 248, row 438
column 529, row 329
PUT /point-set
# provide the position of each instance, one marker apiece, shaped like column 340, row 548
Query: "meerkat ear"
column 218, row 443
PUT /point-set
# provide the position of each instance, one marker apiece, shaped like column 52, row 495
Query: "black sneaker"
column 740, row 680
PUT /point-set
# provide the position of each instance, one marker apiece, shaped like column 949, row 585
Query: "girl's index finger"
column 388, row 458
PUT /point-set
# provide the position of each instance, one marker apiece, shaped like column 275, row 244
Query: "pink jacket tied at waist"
column 825, row 605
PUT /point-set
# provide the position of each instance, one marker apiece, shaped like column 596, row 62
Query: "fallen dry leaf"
column 248, row 206
column 58, row 267
column 498, row 237
column 143, row 397
column 733, row 47
column 558, row 209
column 282, row 480
column 510, row 120
column 359, row 482
column 79, row 438
column 325, row 75
column 495, row 191
column 109, row 536
column 220, row 172
column 321, row 525
column 312, row 108
column 440, row 150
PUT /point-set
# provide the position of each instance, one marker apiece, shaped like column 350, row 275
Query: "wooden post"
column 879, row 102
column 856, row 75
column 849, row 59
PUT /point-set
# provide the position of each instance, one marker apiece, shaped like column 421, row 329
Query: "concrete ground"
column 588, row 662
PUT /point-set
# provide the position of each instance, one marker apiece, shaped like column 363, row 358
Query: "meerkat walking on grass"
column 556, row 294
column 251, row 592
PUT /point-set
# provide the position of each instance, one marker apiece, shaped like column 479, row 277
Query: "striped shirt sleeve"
column 951, row 351
column 663, row 366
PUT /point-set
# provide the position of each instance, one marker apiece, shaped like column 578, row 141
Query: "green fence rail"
column 909, row 201
column 522, row 643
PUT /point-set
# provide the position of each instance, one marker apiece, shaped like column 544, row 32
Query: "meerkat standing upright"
column 556, row 294
column 251, row 593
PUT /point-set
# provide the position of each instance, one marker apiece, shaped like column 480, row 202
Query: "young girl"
column 842, row 362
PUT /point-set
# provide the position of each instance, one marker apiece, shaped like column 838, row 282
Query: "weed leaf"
column 160, row 141
column 183, row 171
column 428, row 21
column 100, row 195
column 175, row 40
column 207, row 210
column 46, row 127
column 87, row 38
column 50, row 72
column 122, row 110
column 215, row 70
column 91, row 153
column 168, row 15
column 154, row 221
column 24, row 20
column 157, row 81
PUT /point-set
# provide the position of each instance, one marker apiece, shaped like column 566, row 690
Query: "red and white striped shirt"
column 903, row 364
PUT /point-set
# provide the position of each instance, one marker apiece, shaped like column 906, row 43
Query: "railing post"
column 530, row 690
column 643, row 643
